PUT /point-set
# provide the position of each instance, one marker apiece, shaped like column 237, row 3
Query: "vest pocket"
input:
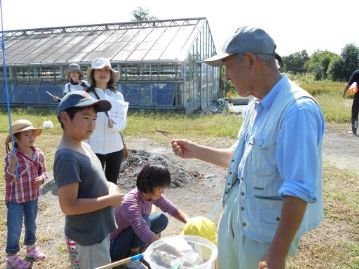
column 263, row 164
column 270, row 215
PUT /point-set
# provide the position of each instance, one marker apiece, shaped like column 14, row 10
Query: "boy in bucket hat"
column 273, row 190
column 85, row 196
column 25, row 172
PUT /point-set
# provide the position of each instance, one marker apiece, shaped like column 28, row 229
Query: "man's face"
column 238, row 72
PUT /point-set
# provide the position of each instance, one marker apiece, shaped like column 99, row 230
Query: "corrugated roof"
column 131, row 42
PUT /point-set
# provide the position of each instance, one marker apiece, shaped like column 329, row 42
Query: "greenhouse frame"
column 161, row 62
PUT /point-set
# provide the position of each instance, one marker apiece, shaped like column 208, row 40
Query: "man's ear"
column 252, row 60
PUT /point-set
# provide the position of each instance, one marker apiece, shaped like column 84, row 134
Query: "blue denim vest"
column 260, row 203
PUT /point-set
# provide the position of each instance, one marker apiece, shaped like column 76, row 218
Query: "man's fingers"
column 263, row 265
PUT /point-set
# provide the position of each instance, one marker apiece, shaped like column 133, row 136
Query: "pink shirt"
column 21, row 189
column 130, row 213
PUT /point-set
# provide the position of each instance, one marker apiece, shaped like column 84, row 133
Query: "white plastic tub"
column 181, row 252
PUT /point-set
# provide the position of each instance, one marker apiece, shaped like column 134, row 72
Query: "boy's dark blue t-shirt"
column 73, row 167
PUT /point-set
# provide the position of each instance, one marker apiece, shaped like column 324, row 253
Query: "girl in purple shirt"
column 137, row 227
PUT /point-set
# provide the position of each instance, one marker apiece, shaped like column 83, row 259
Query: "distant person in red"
column 355, row 107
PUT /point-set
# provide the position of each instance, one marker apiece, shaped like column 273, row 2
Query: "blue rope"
column 6, row 83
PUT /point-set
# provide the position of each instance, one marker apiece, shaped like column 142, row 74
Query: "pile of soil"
column 137, row 159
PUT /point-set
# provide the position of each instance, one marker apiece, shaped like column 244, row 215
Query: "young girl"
column 25, row 172
column 75, row 76
column 137, row 227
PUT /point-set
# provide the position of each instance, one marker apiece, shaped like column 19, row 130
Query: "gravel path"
column 341, row 149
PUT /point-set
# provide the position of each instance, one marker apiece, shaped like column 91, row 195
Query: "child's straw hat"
column 22, row 126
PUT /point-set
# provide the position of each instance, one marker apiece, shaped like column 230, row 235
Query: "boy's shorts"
column 87, row 257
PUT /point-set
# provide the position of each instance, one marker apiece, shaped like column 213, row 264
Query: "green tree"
column 319, row 62
column 142, row 14
column 341, row 68
column 350, row 56
column 336, row 69
column 295, row 62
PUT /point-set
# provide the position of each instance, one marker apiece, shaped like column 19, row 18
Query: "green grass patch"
column 142, row 124
column 216, row 125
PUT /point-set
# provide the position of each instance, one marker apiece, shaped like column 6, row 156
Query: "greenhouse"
column 161, row 62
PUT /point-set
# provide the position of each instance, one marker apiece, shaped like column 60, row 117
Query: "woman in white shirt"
column 106, row 140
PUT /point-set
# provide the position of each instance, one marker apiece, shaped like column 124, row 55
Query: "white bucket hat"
column 99, row 63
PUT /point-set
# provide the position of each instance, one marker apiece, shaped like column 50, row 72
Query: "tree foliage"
column 343, row 67
column 336, row 70
column 319, row 62
column 142, row 14
column 350, row 56
column 295, row 62
column 324, row 64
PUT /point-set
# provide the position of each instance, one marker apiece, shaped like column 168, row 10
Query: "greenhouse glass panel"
column 177, row 44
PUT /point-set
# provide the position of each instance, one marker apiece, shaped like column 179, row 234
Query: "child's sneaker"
column 14, row 262
column 34, row 254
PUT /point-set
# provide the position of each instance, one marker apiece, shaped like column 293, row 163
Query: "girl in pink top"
column 137, row 227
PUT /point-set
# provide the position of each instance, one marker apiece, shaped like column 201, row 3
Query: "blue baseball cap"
column 82, row 99
column 245, row 39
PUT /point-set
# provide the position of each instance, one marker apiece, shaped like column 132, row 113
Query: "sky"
column 295, row 25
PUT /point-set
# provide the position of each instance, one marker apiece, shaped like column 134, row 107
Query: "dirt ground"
column 197, row 187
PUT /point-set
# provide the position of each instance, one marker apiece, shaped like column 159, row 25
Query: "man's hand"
column 183, row 148
column 270, row 261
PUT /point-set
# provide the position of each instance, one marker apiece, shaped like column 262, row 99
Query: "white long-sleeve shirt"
column 106, row 140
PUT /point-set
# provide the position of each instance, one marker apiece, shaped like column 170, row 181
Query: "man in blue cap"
column 273, row 190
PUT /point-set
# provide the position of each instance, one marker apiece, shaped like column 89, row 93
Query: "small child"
column 85, row 196
column 25, row 172
column 137, row 227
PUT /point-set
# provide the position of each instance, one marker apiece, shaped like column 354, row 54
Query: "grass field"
column 331, row 246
